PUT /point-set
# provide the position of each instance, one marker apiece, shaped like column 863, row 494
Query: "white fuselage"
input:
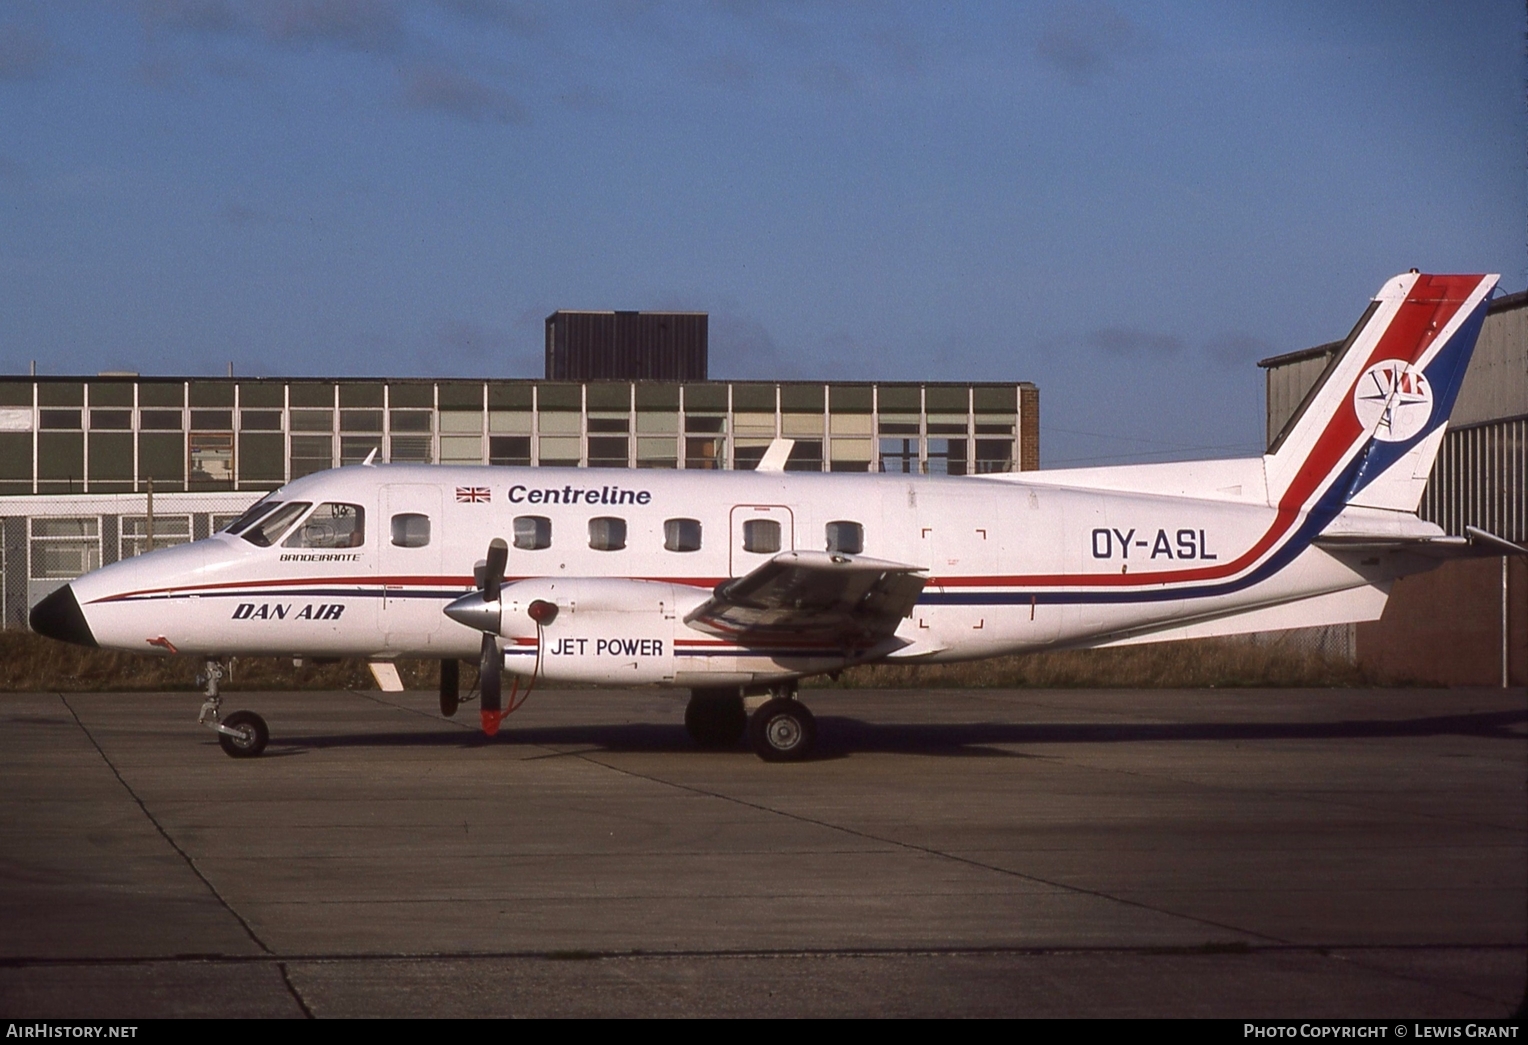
column 1014, row 563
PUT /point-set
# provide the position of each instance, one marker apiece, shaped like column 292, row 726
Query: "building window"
column 899, row 455
column 607, row 451
column 411, row 420
column 607, row 533
column 411, row 530
column 681, row 535
column 311, row 453
column 354, row 449
column 705, row 453
column 168, row 530
column 260, row 420
column 331, row 526
column 310, row 420
column 806, row 456
column 67, row 420
column 761, row 536
column 946, row 456
column 161, row 420
column 846, row 538
column 63, row 549
column 509, row 450
column 212, row 420
column 533, row 532
column 994, row 455
column 360, row 420
column 111, row 420
column 211, row 457
column 411, row 449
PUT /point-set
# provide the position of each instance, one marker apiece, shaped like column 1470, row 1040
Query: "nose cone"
column 475, row 611
column 59, row 617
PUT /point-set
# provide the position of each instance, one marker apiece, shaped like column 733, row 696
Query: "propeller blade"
column 490, row 684
column 498, row 558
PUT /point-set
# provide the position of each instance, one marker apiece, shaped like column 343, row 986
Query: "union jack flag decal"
column 472, row 495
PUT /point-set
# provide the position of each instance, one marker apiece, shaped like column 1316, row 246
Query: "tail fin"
column 1368, row 432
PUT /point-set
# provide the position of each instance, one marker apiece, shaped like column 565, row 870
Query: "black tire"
column 716, row 717
column 253, row 735
column 782, row 730
column 450, row 687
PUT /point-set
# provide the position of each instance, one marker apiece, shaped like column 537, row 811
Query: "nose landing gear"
column 242, row 734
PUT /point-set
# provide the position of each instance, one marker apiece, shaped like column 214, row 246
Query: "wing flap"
column 842, row 600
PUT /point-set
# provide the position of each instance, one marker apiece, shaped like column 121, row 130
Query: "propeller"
column 483, row 611
column 491, row 662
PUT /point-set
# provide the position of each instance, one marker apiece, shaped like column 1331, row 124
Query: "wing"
column 845, row 600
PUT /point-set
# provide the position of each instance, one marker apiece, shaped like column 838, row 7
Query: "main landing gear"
column 242, row 734
column 781, row 729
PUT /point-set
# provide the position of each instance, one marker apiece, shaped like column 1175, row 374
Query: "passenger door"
column 409, row 536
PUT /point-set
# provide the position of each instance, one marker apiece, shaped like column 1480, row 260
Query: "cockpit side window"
column 267, row 531
column 330, row 526
column 264, row 506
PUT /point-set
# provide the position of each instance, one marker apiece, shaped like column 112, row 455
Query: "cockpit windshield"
column 260, row 508
column 267, row 531
column 331, row 526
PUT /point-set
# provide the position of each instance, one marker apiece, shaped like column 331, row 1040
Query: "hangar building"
column 1465, row 623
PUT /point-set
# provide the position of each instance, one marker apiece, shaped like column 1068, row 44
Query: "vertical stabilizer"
column 1369, row 430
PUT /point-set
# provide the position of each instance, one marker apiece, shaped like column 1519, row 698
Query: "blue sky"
column 1125, row 204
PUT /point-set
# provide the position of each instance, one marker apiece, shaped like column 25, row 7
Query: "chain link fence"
column 45, row 542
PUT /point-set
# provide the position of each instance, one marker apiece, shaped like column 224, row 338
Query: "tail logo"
column 1394, row 400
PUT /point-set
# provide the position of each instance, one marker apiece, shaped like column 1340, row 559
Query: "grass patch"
column 1189, row 664
column 31, row 663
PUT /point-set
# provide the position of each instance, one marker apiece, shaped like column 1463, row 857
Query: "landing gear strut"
column 782, row 729
column 716, row 717
column 242, row 734
column 450, row 687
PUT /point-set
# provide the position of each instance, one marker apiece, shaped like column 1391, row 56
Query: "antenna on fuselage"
column 370, row 457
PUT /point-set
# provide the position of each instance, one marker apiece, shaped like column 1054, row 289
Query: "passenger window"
column 268, row 531
column 533, row 532
column 846, row 538
column 330, row 526
column 681, row 535
column 411, row 530
column 761, row 535
column 264, row 506
column 607, row 533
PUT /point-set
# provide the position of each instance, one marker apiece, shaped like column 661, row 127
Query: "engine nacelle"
column 605, row 632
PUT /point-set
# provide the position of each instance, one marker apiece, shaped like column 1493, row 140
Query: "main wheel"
column 782, row 731
column 251, row 738
column 715, row 717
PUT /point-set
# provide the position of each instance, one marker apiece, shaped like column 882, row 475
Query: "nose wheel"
column 242, row 734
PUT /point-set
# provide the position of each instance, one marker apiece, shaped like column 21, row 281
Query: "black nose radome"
column 59, row 617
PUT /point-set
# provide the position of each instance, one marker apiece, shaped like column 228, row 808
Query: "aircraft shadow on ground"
column 838, row 736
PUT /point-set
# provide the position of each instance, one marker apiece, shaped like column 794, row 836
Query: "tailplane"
column 1368, row 432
